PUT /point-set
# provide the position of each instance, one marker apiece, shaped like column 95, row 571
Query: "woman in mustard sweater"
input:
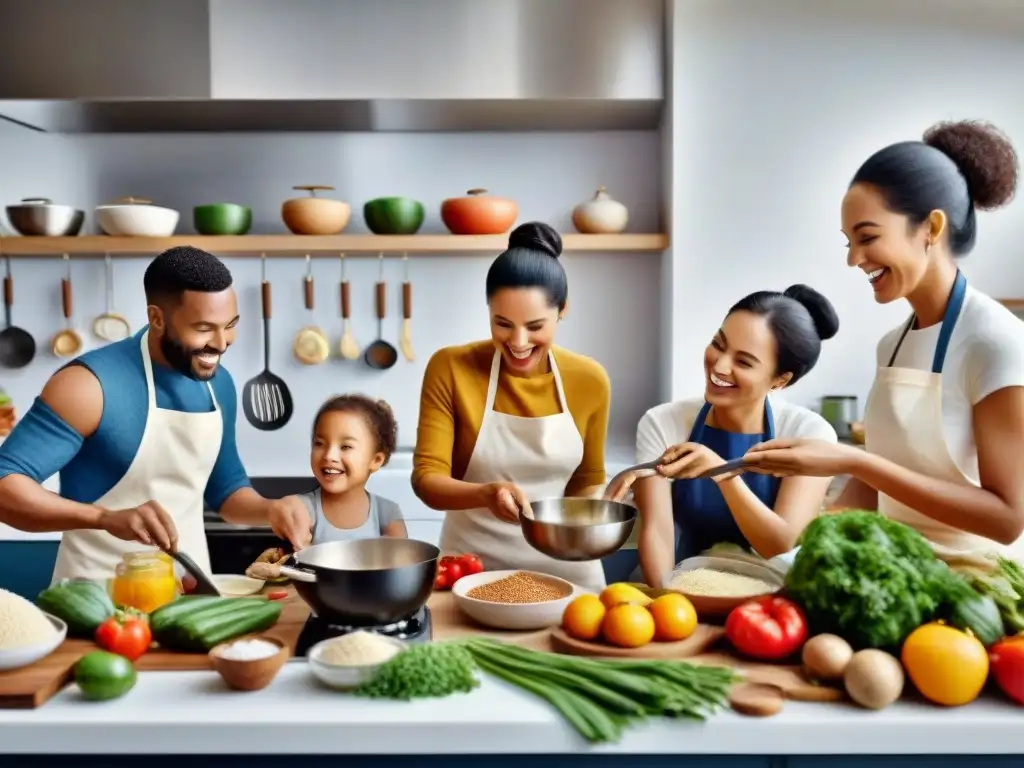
column 513, row 418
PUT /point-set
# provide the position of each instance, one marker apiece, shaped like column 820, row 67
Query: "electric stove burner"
column 415, row 629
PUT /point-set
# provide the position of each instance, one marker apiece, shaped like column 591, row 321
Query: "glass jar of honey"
column 144, row 581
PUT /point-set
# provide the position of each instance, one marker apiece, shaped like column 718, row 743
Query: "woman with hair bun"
column 944, row 423
column 768, row 341
column 513, row 418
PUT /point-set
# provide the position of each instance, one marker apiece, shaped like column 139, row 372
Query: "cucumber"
column 82, row 604
column 165, row 616
column 201, row 630
column 256, row 620
column 980, row 615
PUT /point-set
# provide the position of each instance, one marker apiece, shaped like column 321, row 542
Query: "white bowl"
column 236, row 584
column 343, row 677
column 715, row 605
column 136, row 220
column 514, row 616
column 15, row 658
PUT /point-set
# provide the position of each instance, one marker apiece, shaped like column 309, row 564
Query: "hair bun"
column 826, row 321
column 536, row 236
column 985, row 157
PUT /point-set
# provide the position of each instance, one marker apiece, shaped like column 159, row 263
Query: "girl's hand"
column 687, row 460
column 784, row 457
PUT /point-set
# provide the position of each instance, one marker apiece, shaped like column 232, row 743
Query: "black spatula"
column 266, row 401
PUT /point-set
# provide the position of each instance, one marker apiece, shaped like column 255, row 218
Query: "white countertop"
column 193, row 713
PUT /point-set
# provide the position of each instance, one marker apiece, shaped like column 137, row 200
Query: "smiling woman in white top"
column 768, row 341
column 944, row 423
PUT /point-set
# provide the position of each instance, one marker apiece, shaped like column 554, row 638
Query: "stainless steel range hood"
column 115, row 66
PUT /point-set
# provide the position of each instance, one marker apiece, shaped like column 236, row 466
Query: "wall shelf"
column 299, row 245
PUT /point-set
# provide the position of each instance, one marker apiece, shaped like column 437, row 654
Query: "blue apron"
column 702, row 518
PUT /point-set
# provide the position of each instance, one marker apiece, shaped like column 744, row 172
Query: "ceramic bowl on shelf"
column 514, row 616
column 600, row 215
column 314, row 215
column 393, row 215
column 479, row 213
column 344, row 677
column 16, row 658
column 222, row 219
column 249, row 674
column 135, row 217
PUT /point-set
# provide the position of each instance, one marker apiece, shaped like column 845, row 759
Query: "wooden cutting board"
column 32, row 686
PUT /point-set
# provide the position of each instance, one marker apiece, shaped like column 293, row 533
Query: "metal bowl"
column 365, row 582
column 39, row 217
column 575, row 530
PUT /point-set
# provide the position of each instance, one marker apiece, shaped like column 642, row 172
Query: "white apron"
column 172, row 466
column 903, row 423
column 539, row 455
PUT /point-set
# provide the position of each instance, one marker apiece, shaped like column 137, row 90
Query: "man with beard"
column 142, row 431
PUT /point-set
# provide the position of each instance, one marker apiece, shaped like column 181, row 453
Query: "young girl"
column 353, row 437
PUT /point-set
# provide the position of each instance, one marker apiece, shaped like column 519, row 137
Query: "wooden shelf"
column 1014, row 304
column 299, row 245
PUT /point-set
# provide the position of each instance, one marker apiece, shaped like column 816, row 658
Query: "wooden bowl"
column 251, row 675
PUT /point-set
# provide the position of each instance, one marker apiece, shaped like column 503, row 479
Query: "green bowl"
column 222, row 219
column 393, row 216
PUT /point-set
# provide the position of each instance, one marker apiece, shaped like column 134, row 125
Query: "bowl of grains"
column 517, row 600
column 716, row 585
column 348, row 661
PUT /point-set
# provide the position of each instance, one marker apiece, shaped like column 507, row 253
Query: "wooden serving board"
column 32, row 686
column 703, row 637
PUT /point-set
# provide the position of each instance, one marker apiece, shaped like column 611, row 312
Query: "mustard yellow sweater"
column 455, row 392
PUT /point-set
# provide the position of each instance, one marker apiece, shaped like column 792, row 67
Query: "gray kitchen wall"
column 614, row 312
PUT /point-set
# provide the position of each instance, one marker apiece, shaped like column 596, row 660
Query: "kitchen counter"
column 193, row 713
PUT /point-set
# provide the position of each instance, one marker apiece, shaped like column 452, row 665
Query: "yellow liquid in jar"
column 144, row 582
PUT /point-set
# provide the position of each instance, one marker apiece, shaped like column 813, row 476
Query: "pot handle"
column 298, row 574
column 313, row 188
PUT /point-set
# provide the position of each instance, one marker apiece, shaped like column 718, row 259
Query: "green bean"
column 606, row 697
column 590, row 721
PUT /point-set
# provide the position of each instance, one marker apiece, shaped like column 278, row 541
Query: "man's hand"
column 289, row 519
column 505, row 501
column 147, row 523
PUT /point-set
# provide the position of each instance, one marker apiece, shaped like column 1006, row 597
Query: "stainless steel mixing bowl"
column 575, row 529
column 38, row 216
column 365, row 581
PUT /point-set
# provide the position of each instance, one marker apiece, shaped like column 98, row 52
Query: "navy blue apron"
column 702, row 518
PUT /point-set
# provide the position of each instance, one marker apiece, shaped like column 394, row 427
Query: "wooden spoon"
column 349, row 346
column 757, row 699
column 405, row 340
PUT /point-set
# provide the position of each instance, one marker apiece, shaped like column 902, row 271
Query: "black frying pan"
column 17, row 347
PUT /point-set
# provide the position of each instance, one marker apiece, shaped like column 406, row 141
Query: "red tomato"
column 455, row 572
column 126, row 635
column 1006, row 661
column 441, row 578
column 449, row 559
column 767, row 628
column 471, row 564
column 277, row 594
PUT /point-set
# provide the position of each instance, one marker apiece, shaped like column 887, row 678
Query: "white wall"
column 775, row 105
column 614, row 309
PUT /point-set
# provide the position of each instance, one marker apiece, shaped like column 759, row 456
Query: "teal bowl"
column 222, row 219
column 393, row 216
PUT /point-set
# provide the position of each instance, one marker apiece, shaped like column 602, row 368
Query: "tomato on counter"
column 277, row 594
column 451, row 568
column 767, row 628
column 1006, row 660
column 126, row 634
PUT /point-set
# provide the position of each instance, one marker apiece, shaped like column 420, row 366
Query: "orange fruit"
column 617, row 594
column 675, row 618
column 583, row 616
column 628, row 626
column 946, row 665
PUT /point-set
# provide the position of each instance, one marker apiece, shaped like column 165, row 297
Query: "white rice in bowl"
column 21, row 623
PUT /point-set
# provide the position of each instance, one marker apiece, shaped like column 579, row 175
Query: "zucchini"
column 202, row 632
column 193, row 605
column 82, row 604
